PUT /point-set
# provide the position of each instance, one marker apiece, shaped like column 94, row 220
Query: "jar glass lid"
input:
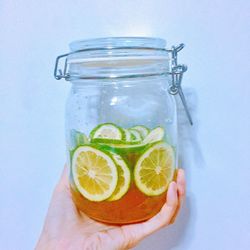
column 116, row 42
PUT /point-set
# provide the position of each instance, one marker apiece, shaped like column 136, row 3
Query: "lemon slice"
column 144, row 131
column 155, row 169
column 124, row 178
column 94, row 173
column 108, row 131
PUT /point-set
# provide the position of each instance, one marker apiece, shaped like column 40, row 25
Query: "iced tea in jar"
column 121, row 125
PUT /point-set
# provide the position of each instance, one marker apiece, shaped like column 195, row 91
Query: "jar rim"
column 116, row 42
column 117, row 57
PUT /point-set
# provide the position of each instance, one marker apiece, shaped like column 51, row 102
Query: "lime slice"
column 94, row 173
column 128, row 135
column 108, row 131
column 124, row 178
column 132, row 136
column 135, row 135
column 155, row 135
column 155, row 169
column 77, row 138
column 123, row 148
column 144, row 131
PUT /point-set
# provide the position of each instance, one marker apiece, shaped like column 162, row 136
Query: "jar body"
column 125, row 104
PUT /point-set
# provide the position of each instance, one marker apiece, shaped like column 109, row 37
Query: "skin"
column 66, row 228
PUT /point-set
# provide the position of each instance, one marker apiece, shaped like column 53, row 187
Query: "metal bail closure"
column 59, row 74
column 176, row 73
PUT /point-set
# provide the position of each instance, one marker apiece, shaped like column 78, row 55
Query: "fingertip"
column 181, row 175
column 181, row 183
column 181, row 171
column 172, row 186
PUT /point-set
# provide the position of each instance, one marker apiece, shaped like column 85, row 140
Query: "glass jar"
column 121, row 125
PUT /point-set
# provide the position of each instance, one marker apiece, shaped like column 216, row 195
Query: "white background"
column 214, row 152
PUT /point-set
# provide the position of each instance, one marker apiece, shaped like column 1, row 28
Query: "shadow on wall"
column 179, row 235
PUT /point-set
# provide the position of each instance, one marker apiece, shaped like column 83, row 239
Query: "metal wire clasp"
column 176, row 72
column 58, row 74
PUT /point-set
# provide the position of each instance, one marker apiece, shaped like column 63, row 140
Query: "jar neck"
column 82, row 83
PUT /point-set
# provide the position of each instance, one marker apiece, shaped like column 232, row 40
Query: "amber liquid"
column 133, row 207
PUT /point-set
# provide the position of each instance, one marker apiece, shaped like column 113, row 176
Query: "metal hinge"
column 176, row 72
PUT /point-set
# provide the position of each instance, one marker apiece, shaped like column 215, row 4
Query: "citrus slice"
column 131, row 137
column 94, row 173
column 107, row 131
column 77, row 138
column 135, row 135
column 155, row 169
column 124, row 178
column 144, row 131
column 155, row 135
column 128, row 136
column 124, row 148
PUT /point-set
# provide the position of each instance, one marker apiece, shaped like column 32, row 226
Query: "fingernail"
column 182, row 171
column 181, row 182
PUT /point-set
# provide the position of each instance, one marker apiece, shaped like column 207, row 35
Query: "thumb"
column 133, row 234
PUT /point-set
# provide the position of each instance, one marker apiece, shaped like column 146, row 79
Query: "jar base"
column 133, row 208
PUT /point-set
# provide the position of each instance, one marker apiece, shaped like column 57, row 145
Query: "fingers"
column 136, row 232
column 181, row 184
column 175, row 195
column 164, row 217
column 181, row 190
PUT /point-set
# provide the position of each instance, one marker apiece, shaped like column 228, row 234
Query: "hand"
column 67, row 228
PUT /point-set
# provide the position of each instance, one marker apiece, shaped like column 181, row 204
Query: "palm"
column 67, row 228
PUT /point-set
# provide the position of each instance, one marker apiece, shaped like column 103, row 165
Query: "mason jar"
column 121, row 125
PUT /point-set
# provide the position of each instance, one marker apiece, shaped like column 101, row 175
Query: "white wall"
column 215, row 151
